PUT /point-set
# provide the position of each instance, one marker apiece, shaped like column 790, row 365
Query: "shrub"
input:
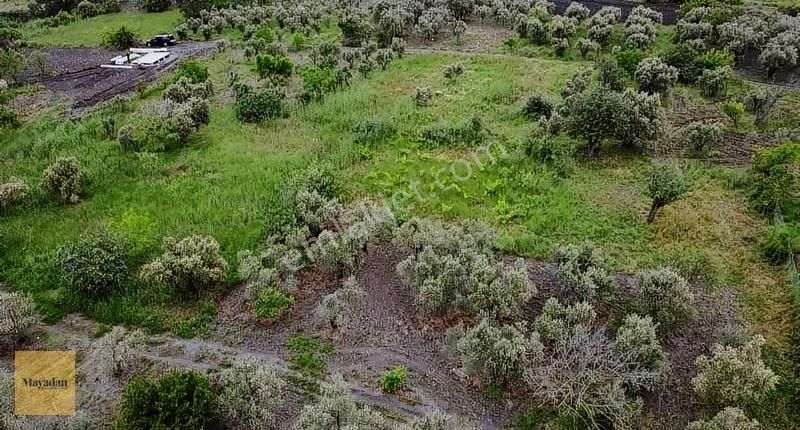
column 666, row 185
column 17, row 315
column 630, row 60
column 726, row 419
column 581, row 273
column 250, row 393
column 774, row 181
column 453, row 70
column 538, row 106
column 454, row 135
column 368, row 134
column 702, row 135
column 86, row 9
column 8, row 117
column 275, row 267
column 713, row 82
column 116, row 355
column 734, row 376
column 94, row 266
column 551, row 151
column 276, row 68
column 733, row 110
column 120, row 39
column 498, row 354
column 637, row 337
column 760, row 102
column 297, row 43
column 398, row 46
column 155, row 5
column 355, row 27
column 194, row 71
column 333, row 309
column 423, row 96
column 611, row 75
column 588, row 47
column 577, row 11
column 336, row 408
column 64, row 179
column 393, row 380
column 655, row 76
column 271, row 303
column 779, row 243
column 339, row 253
column 318, row 82
column 12, row 192
column 666, row 297
column 178, row 400
column 183, row 90
column 557, row 321
column 252, row 106
column 189, row 265
column 325, row 55
column 586, row 376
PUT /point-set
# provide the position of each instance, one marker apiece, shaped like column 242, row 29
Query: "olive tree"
column 653, row 75
column 665, row 185
column 760, row 102
column 637, row 337
column 336, row 408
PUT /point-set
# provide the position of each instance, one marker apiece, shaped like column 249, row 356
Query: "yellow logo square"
column 44, row 383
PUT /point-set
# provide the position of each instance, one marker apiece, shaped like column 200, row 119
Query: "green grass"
column 90, row 32
column 308, row 354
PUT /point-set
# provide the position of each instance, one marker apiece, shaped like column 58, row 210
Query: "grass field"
column 222, row 184
column 90, row 32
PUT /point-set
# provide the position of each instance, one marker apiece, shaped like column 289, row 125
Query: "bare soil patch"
column 76, row 72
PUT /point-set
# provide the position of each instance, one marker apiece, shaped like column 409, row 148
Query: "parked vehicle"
column 162, row 40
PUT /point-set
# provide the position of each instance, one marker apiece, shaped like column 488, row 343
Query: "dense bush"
column 630, row 60
column 779, row 243
column 666, row 184
column 498, row 354
column 258, row 106
column 274, row 268
column 321, row 81
column 760, row 102
column 586, row 376
column 726, row 419
column 183, row 90
column 95, row 265
column 734, row 376
column 326, row 55
column 276, row 68
column 448, row 135
column 189, row 265
column 665, row 295
column 774, row 184
column 355, row 26
column 86, row 9
column 12, row 192
column 577, row 11
column 8, row 117
column 581, row 273
column 714, row 82
column 64, row 179
column 423, row 96
column 17, row 315
column 337, row 409
column 655, row 76
column 168, row 124
column 250, row 393
column 194, row 71
column 538, row 106
column 120, row 39
column 557, row 321
column 334, row 309
column 454, row 70
column 701, row 135
column 637, row 337
column 155, row 5
column 393, row 380
column 179, row 400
